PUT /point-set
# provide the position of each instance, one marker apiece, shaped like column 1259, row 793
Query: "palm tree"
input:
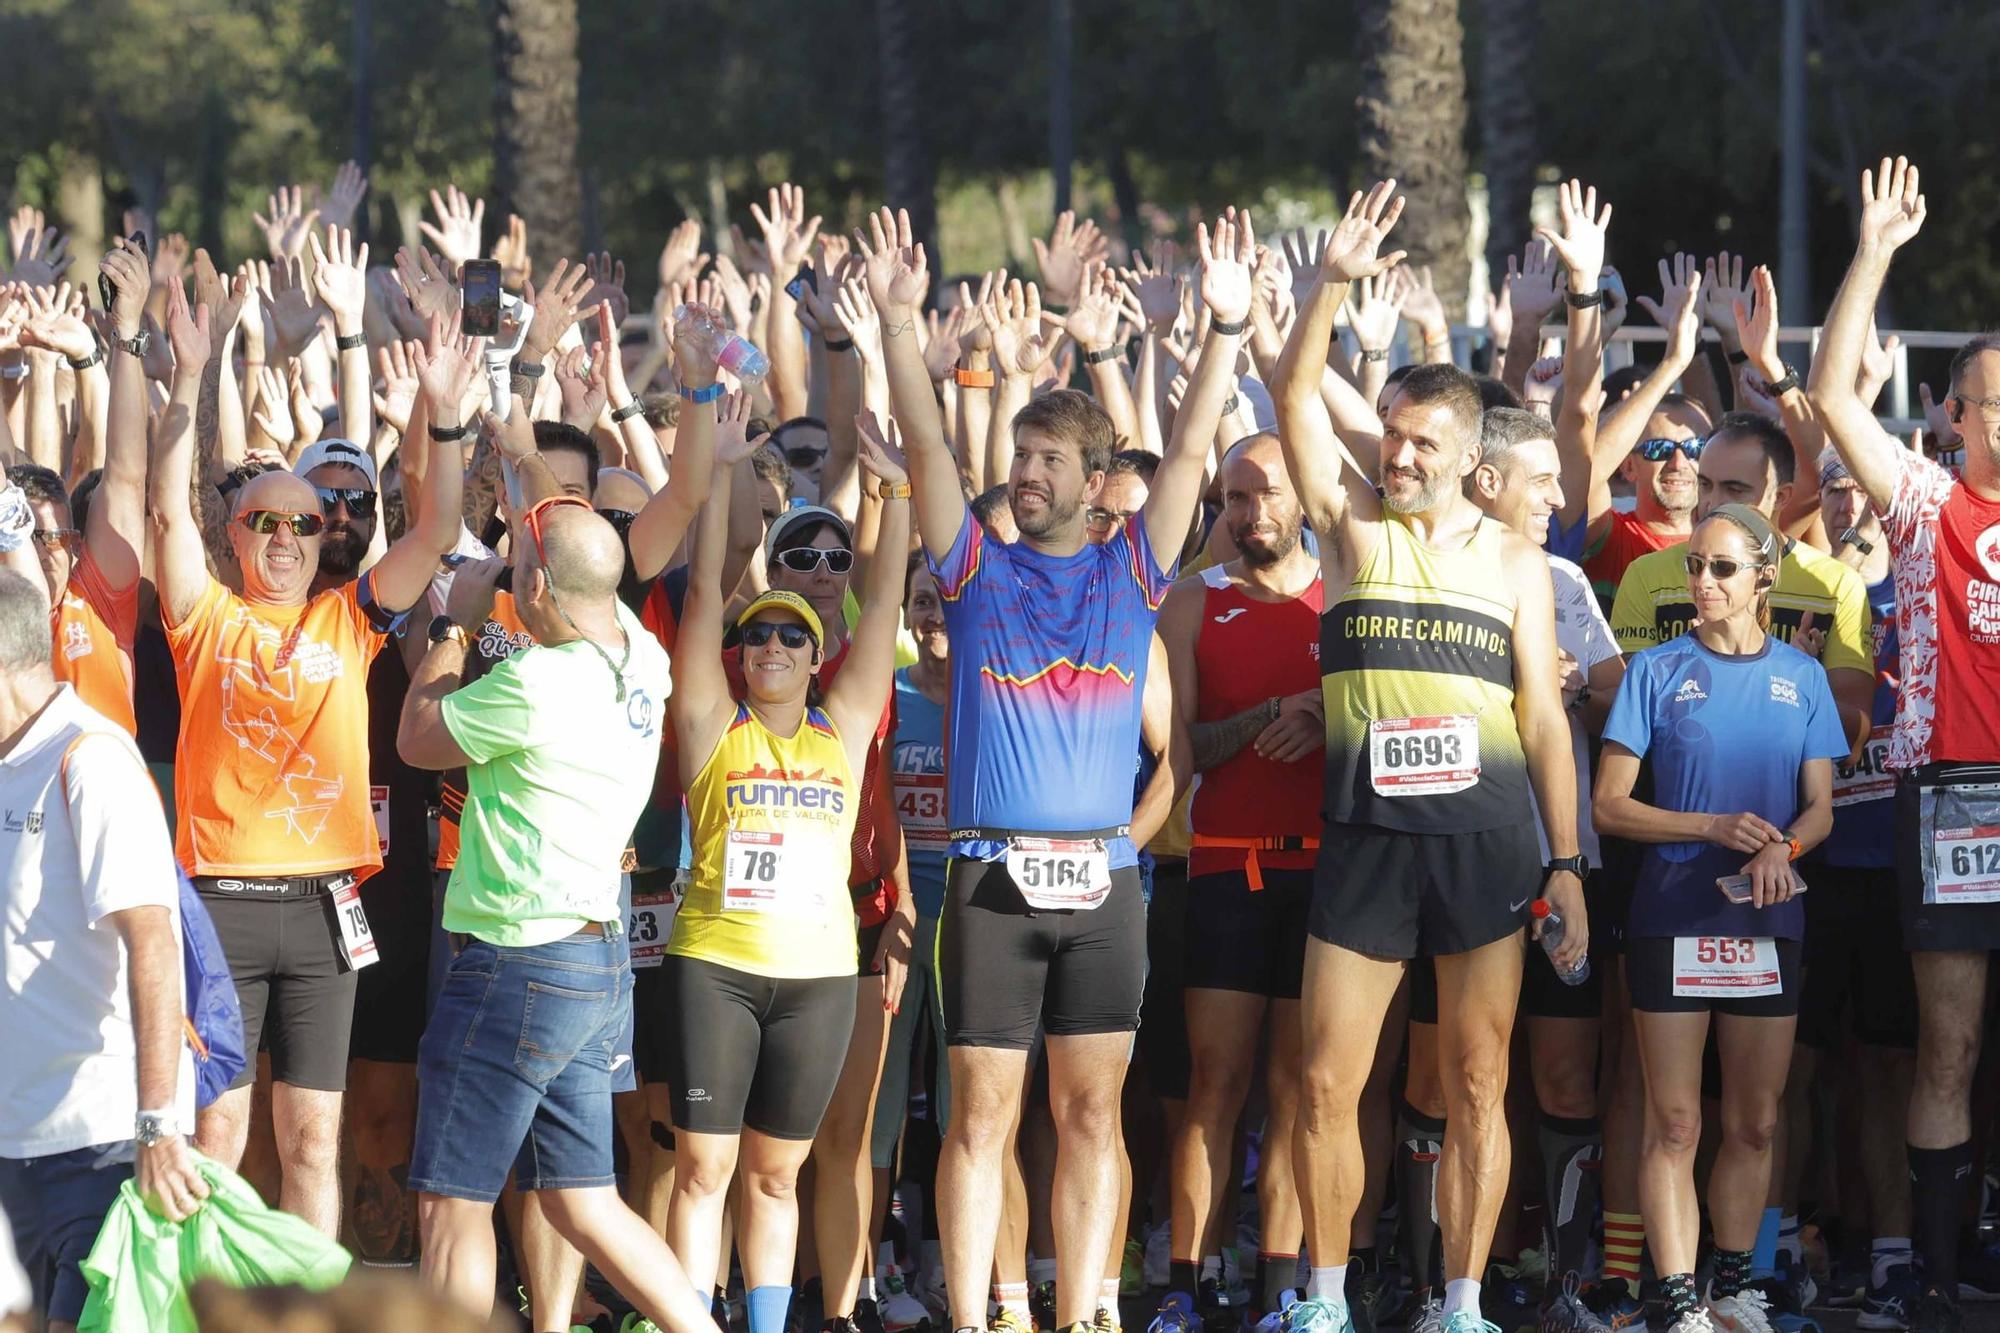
column 1412, row 112
column 536, row 124
column 909, row 171
column 1507, row 124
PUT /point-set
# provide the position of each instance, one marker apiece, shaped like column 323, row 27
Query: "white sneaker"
column 1159, row 1255
column 1694, row 1321
column 1746, row 1312
column 900, row 1310
column 929, row 1289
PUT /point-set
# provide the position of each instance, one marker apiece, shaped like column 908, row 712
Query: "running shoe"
column 1936, row 1313
column 1616, row 1307
column 1428, row 1317
column 1176, row 1315
column 1274, row 1321
column 1890, row 1305
column 1215, row 1311
column 1506, row 1300
column 1313, row 1315
column 1374, row 1299
column 1565, row 1311
column 1469, row 1321
column 1042, row 1305
column 808, row 1308
column 900, row 1311
column 1694, row 1321
column 1979, row 1273
column 930, row 1290
column 1106, row 1321
column 868, row 1315
column 1010, row 1321
column 1748, row 1311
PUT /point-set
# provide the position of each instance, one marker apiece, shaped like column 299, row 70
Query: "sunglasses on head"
column 805, row 559
column 758, row 633
column 264, row 522
column 1660, row 450
column 360, row 502
column 1721, row 565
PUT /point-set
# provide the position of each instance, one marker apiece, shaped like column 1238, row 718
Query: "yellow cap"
column 792, row 602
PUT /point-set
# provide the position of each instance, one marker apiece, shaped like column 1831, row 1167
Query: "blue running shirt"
column 1048, row 667
column 916, row 760
column 1725, row 735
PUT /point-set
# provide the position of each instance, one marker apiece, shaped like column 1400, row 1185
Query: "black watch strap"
column 1784, row 386
column 1103, row 354
column 1224, row 327
column 1584, row 300
column 1578, row 865
column 347, row 342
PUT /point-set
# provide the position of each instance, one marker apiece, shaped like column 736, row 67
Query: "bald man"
column 273, row 820
column 559, row 743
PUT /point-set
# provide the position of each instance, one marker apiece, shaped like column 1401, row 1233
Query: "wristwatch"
column 1797, row 848
column 444, row 627
column 893, row 490
column 138, row 344
column 1578, row 865
column 152, row 1126
column 1780, row 388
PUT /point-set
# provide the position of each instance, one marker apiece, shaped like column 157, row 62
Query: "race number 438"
column 1967, row 865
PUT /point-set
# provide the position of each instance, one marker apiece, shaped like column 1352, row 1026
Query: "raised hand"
column 1354, row 249
column 1580, row 242
column 898, row 275
column 788, row 232
column 1532, row 289
column 1378, row 308
column 1093, row 320
column 340, row 276
column 973, row 335
column 1064, row 260
column 557, row 306
column 456, row 234
column 41, row 253
column 733, row 440
column 881, row 450
column 310, row 423
column 1723, row 286
column 132, row 275
column 1937, row 419
column 343, row 198
column 1892, row 205
column 680, row 258
column 294, row 313
column 694, row 358
column 734, row 291
column 584, row 384
column 1156, row 285
column 225, row 300
column 400, row 384
column 1013, row 318
column 857, row 314
column 188, row 333
column 432, row 290
column 1878, row 363
column 1422, row 305
column 22, row 225
column 386, row 288
column 286, row 222
column 607, row 284
column 447, row 365
column 942, row 349
column 170, row 258
column 272, row 415
column 54, row 325
column 510, row 251
column 1678, row 310
column 1756, row 323
column 1545, row 379
column 1226, row 256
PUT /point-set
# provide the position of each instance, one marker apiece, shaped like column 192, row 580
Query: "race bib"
column 1868, row 780
column 357, row 940
column 757, row 876
column 1967, row 863
column 920, row 806
column 1423, row 756
column 378, row 805
column 649, row 925
column 1058, row 875
column 1720, row 967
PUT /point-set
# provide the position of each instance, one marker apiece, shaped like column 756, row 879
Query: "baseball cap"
column 804, row 515
column 790, row 601
column 337, row 451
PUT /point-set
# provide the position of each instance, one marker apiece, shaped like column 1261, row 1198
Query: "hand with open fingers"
column 1678, row 310
column 1564, row 892
column 447, row 365
column 225, row 299
column 1937, row 420
column 340, row 274
column 1226, row 256
column 170, row 257
column 1723, row 285
column 1354, row 249
column 1579, row 243
column 1770, row 872
column 1744, row 832
column 286, row 222
column 941, row 350
column 1892, row 205
column 53, row 326
column 788, row 232
column 582, row 381
column 432, row 288
column 294, row 313
column 22, row 224
column 898, row 273
column 41, row 257
column 188, row 332
column 1878, row 364
column 882, row 449
column 398, row 376
column 975, row 336
column 457, row 233
column 681, row 257
column 1064, row 260
column 1534, row 285
column 306, row 416
column 343, row 198
column 1378, row 308
column 856, row 313
column 734, row 291
column 386, row 294
column 607, row 278
column 733, row 442
column 557, row 305
column 510, row 251
column 1422, row 305
column 167, row 1178
column 1014, row 319
column 1093, row 318
column 272, row 416
column 1156, row 286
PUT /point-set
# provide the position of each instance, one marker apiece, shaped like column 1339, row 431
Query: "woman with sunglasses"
column 1716, row 925
column 763, row 957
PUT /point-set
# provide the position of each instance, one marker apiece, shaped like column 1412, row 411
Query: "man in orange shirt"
column 272, row 793
column 92, row 567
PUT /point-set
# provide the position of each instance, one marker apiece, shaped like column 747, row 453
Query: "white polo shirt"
column 78, row 840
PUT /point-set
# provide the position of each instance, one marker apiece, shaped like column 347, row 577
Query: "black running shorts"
column 1649, row 972
column 1243, row 940
column 297, row 995
column 753, row 1052
column 1389, row 894
column 1858, row 975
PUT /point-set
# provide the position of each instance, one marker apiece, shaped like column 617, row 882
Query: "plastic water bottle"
column 733, row 352
column 1552, row 939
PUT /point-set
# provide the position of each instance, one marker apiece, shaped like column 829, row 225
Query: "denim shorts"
column 56, row 1205
column 515, row 1069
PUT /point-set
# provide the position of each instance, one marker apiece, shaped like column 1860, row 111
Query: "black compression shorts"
column 753, row 1052
column 1649, row 972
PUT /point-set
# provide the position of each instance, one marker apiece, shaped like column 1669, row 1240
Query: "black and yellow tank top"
column 1417, row 663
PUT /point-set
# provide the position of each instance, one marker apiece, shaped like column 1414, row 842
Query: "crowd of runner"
column 863, row 802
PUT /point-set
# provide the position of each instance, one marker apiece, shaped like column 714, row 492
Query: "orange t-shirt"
column 94, row 625
column 271, row 777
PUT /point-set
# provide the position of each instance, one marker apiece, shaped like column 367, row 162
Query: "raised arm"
column 897, row 279
column 657, row 532
column 1619, row 428
column 856, row 699
column 180, row 566
column 701, row 704
column 117, row 522
column 1014, row 318
column 1531, row 295
column 1092, row 324
column 1225, row 291
column 788, row 235
column 1892, row 212
column 1580, row 247
column 1756, row 323
column 446, row 369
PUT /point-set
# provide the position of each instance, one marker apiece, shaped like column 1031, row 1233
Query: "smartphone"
column 479, row 283
column 106, row 288
column 1736, row 888
column 801, row 281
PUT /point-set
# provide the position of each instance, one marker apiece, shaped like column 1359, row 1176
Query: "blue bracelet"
column 707, row 395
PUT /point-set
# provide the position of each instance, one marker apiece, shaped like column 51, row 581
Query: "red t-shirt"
column 1624, row 541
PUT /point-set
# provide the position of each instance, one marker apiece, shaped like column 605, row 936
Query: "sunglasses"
column 264, row 522
column 56, row 536
column 805, row 559
column 621, row 519
column 360, row 503
column 804, row 455
column 1721, row 566
column 533, row 518
column 1106, row 518
column 758, row 633
column 1660, row 450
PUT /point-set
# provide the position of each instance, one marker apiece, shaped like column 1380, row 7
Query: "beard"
column 1277, row 547
column 1679, row 502
column 1054, row 516
column 1429, row 489
column 341, row 550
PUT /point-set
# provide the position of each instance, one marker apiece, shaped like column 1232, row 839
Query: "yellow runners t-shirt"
column 1653, row 606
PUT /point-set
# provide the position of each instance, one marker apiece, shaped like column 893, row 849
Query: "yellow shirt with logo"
column 773, row 821
column 1654, row 607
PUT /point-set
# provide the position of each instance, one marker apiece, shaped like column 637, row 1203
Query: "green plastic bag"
column 142, row 1265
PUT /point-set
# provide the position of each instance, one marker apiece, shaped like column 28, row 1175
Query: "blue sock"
column 768, row 1306
column 1764, row 1254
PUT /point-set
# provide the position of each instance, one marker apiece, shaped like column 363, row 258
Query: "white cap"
column 321, row 452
